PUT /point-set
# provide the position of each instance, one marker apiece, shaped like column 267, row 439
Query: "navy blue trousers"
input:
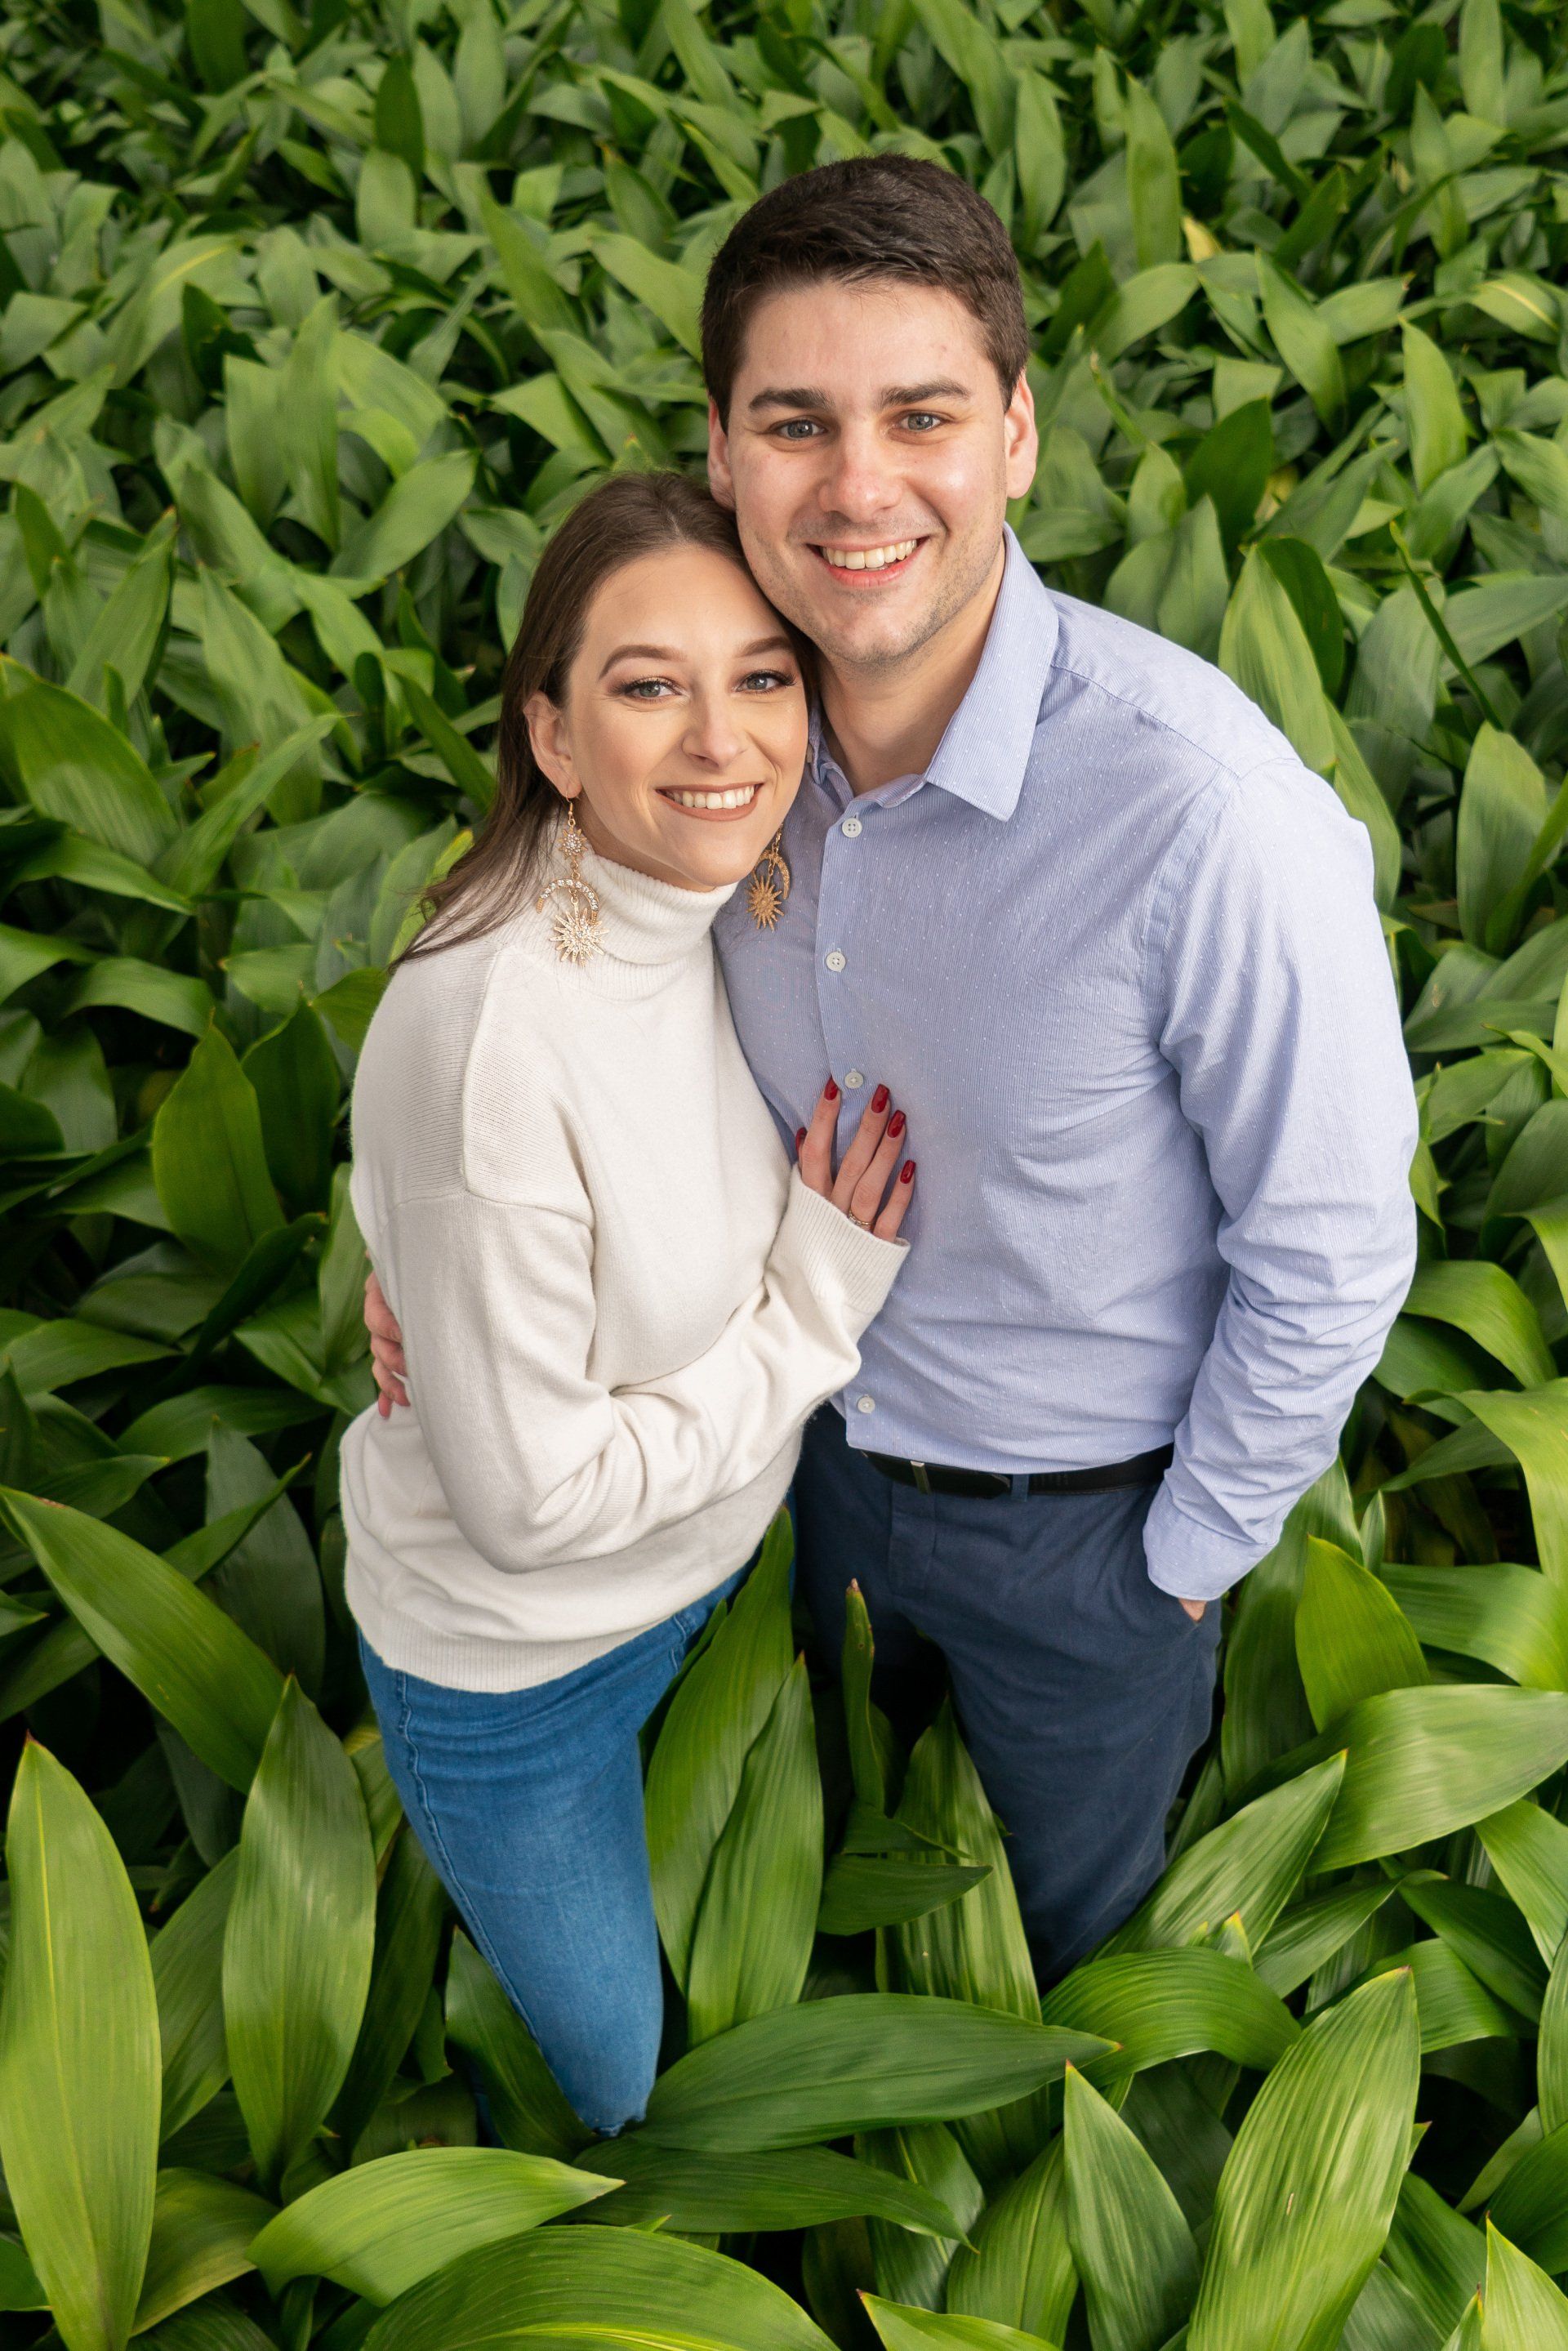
column 1081, row 1689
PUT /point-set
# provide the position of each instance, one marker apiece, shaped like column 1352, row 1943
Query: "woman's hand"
column 386, row 1349
column 868, row 1167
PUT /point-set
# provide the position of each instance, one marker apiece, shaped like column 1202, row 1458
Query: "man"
column 1115, row 950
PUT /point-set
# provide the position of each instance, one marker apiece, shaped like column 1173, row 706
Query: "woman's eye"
column 645, row 689
column 766, row 678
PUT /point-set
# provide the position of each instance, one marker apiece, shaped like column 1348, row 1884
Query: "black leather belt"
column 930, row 1478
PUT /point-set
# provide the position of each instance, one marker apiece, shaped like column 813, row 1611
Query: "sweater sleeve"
column 540, row 1463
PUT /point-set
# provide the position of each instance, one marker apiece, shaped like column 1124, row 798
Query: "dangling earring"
column 577, row 926
column 769, row 885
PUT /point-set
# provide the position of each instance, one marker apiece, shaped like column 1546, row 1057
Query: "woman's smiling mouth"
column 733, row 800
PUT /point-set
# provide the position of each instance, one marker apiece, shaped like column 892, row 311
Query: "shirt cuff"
column 1192, row 1562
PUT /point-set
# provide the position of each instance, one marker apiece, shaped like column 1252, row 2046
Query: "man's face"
column 866, row 421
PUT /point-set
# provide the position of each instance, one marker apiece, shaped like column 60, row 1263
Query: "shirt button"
column 865, row 1404
column 851, row 826
column 854, row 1077
column 834, row 959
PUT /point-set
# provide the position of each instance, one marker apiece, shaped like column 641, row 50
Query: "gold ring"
column 857, row 1220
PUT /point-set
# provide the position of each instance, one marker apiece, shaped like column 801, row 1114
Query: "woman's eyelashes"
column 768, row 681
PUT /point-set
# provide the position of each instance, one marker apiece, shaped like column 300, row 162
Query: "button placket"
column 835, row 923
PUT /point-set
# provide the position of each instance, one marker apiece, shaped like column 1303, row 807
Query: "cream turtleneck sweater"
column 620, row 1305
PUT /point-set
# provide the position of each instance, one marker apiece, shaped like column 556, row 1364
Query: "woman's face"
column 681, row 738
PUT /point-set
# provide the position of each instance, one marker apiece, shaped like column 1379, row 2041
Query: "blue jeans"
column 1081, row 1689
column 529, row 1804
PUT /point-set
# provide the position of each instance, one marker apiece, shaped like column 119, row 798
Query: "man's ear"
column 547, row 735
column 720, row 480
column 1022, row 437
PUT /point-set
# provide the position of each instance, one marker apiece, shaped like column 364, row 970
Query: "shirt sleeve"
column 1276, row 1006
column 539, row 1462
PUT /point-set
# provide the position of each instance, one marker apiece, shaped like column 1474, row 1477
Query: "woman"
column 619, row 1302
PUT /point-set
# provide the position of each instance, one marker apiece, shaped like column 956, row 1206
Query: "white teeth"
column 741, row 798
column 868, row 558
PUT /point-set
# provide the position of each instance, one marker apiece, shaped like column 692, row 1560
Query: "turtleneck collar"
column 645, row 921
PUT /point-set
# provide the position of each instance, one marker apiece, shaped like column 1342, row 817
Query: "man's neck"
column 886, row 722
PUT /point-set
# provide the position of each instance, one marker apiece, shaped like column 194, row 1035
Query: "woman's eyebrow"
column 777, row 642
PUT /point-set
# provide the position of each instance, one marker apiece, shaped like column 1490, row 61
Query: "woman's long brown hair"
column 629, row 516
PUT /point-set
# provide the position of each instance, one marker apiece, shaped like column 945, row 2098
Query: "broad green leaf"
column 201, row 2231
column 751, row 1941
column 719, row 1708
column 414, row 511
column 922, row 2330
column 1529, row 1850
column 1264, row 648
column 1021, row 2270
column 1303, row 341
column 1157, row 2005
column 1433, row 418
column 1423, row 1762
column 383, row 2226
column 786, row 2188
column 1502, row 809
column 1248, row 1868
column 188, row 1977
column 208, row 1158
column 409, row 1908
column 1512, row 1618
column 615, row 2285
column 301, row 1930
column 531, row 2111
column 1521, row 2310
column 1552, row 2049
column 1534, row 1427
column 78, row 2059
column 187, row 1658
column 1154, row 184
column 1308, row 2191
column 1352, row 1639
column 1131, row 2247
column 854, row 2062
column 865, row 1890
column 64, row 756
column 672, row 292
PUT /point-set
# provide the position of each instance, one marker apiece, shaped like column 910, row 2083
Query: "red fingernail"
column 907, row 1172
column 831, row 1091
column 895, row 1123
column 879, row 1098
column 799, row 1137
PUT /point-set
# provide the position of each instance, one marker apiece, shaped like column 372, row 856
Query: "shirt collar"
column 985, row 747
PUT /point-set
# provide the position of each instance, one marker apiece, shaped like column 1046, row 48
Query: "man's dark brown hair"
column 873, row 217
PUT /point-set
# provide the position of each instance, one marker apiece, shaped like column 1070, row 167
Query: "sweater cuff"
column 833, row 1255
column 1192, row 1562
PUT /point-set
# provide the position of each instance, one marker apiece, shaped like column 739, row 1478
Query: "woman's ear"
column 547, row 737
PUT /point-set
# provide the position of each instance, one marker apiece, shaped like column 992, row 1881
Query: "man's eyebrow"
column 894, row 395
column 776, row 643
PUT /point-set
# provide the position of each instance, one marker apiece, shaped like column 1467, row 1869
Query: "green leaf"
column 1307, row 2193
column 301, row 1931
column 409, row 1910
column 921, row 2330
column 209, row 1161
column 854, row 2062
column 751, row 1941
column 383, row 2226
column 615, row 2284
column 1423, row 1762
column 531, row 2111
column 293, row 1073
column 1131, row 2247
column 1521, row 2310
column 64, row 756
column 1248, row 1868
column 415, row 511
column 788, row 2188
column 1512, row 1618
column 1433, row 418
column 188, row 1659
column 673, row 293
column 1157, row 2005
column 1021, row 2271
column 1154, row 182
column 1501, row 811
column 1263, row 646
column 1352, row 1639
column 188, row 1977
column 78, row 2059
column 1303, row 341
column 717, row 1711
column 1529, row 1851
column 201, row 2231
column 1231, row 465
column 864, row 1890
column 1534, row 1426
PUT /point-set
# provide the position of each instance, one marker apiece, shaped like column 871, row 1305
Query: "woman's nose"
column 713, row 735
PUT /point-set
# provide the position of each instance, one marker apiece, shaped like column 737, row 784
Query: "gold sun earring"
column 576, row 928
column 769, row 885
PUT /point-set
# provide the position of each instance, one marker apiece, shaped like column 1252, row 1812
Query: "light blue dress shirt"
column 1117, row 955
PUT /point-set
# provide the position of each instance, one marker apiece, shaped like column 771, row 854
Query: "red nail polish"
column 799, row 1137
column 879, row 1098
column 907, row 1173
column 831, row 1091
column 895, row 1123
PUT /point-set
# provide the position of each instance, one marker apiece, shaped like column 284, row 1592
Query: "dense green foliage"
column 309, row 330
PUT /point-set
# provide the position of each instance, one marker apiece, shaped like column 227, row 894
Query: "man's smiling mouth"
column 848, row 562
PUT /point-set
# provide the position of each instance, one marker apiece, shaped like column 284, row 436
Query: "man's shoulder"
column 1132, row 687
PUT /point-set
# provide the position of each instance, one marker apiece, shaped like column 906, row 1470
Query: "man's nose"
column 862, row 479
